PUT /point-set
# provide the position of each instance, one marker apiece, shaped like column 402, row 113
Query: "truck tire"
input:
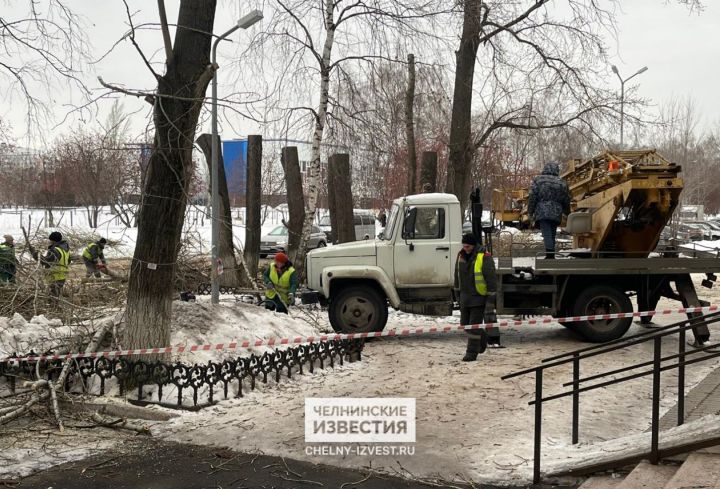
column 358, row 309
column 601, row 299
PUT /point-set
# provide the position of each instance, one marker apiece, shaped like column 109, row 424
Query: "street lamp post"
column 243, row 23
column 622, row 96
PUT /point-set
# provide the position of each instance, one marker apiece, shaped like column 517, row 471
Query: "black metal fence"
column 201, row 379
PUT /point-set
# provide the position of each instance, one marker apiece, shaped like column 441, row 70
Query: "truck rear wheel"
column 601, row 299
column 358, row 309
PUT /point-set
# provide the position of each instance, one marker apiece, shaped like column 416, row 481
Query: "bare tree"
column 410, row 125
column 308, row 34
column 528, row 57
column 176, row 107
column 42, row 47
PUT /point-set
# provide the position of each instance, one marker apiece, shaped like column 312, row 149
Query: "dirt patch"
column 163, row 465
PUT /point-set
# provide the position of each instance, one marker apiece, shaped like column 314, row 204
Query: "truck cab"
column 409, row 266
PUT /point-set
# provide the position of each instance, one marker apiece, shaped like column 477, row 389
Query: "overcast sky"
column 680, row 48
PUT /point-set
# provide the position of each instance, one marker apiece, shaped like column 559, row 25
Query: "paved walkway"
column 703, row 399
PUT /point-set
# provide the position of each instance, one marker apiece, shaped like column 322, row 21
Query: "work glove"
column 490, row 302
column 291, row 299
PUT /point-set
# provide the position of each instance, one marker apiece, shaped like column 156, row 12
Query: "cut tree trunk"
column 428, row 172
column 233, row 274
column 295, row 199
column 410, row 126
column 253, row 197
column 461, row 145
column 180, row 95
column 339, row 175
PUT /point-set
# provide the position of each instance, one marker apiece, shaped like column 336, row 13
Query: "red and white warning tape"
column 233, row 345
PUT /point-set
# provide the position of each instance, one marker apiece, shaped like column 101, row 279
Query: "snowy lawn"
column 470, row 424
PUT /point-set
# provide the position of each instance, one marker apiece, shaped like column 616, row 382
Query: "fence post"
column 576, row 398
column 681, row 378
column 538, row 425
column 654, row 455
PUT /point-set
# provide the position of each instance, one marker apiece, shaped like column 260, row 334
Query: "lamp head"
column 642, row 70
column 249, row 19
column 615, row 70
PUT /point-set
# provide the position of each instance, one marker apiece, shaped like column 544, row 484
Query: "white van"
column 364, row 222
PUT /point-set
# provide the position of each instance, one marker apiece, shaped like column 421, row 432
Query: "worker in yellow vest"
column 94, row 258
column 475, row 288
column 57, row 263
column 281, row 281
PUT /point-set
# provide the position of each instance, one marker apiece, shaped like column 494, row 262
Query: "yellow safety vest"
column 59, row 269
column 480, row 284
column 282, row 283
column 86, row 252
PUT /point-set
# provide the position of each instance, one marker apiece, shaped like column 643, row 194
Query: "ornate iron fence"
column 198, row 378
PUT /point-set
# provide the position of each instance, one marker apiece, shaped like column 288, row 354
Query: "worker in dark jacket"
column 8, row 261
column 57, row 263
column 94, row 258
column 475, row 286
column 549, row 199
column 281, row 281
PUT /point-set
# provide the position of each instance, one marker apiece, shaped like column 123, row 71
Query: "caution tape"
column 234, row 345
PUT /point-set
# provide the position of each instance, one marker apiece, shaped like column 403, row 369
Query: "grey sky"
column 680, row 48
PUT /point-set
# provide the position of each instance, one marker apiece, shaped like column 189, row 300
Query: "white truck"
column 411, row 264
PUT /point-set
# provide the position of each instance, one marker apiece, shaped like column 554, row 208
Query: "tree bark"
column 332, row 201
column 410, row 126
column 295, row 199
column 177, row 105
column 233, row 273
column 339, row 168
column 253, row 197
column 428, row 172
column 461, row 145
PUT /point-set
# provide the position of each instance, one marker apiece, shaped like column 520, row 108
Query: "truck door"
column 422, row 250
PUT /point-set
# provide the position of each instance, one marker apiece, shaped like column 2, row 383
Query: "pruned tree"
column 234, row 272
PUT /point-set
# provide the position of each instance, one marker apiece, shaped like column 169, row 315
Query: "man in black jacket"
column 475, row 286
column 549, row 199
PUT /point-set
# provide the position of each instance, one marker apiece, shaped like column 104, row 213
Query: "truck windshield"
column 392, row 218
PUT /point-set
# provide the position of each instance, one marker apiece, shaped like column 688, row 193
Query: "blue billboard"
column 235, row 160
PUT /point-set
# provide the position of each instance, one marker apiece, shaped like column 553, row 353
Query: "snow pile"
column 40, row 334
column 204, row 323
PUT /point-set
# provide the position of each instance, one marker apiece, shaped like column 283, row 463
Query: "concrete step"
column 700, row 470
column 648, row 476
column 602, row 482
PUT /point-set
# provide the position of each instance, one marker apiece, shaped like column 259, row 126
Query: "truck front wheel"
column 358, row 309
column 601, row 299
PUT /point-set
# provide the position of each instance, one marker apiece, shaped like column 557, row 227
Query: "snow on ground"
column 29, row 448
column 202, row 323
column 40, row 333
column 470, row 424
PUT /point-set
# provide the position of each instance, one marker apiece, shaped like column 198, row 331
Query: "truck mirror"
column 409, row 223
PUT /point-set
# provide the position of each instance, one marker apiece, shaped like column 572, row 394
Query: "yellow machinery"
column 621, row 201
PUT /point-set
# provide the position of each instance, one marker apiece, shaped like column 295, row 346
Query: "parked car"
column 276, row 240
column 709, row 232
column 364, row 222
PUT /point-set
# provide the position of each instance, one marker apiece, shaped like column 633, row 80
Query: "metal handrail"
column 656, row 336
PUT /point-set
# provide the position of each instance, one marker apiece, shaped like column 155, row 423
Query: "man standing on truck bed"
column 475, row 285
column 549, row 199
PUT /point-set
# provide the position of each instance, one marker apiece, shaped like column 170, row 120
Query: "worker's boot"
column 549, row 254
column 476, row 344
